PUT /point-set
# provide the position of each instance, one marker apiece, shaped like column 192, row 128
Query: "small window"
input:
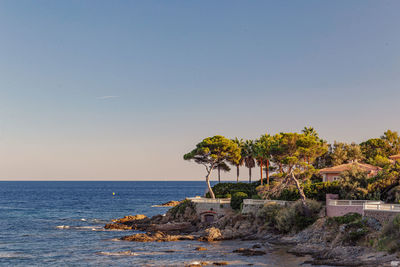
column 336, row 178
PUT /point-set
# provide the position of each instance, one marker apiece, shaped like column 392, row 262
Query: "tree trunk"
column 261, row 172
column 249, row 175
column 302, row 195
column 219, row 174
column 208, row 185
column 267, row 171
column 237, row 173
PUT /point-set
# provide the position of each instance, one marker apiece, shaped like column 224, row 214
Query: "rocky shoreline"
column 318, row 240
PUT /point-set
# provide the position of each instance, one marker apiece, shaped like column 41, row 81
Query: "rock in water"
column 171, row 203
column 156, row 237
column 249, row 252
column 130, row 218
column 211, row 234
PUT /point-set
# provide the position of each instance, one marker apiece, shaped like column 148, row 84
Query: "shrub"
column 353, row 225
column 345, row 219
column 295, row 218
column 237, row 200
column 316, row 191
column 268, row 213
column 390, row 236
column 180, row 208
column 224, row 189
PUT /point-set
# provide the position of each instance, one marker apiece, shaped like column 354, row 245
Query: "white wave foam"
column 63, row 227
column 11, row 255
column 118, row 253
column 93, row 228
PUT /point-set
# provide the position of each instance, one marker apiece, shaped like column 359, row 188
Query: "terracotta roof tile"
column 348, row 166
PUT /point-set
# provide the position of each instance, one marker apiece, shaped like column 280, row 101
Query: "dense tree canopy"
column 214, row 151
column 294, row 160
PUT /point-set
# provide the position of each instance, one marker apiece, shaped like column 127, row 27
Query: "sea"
column 62, row 224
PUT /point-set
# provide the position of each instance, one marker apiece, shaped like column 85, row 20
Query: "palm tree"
column 240, row 144
column 262, row 153
column 248, row 156
column 222, row 166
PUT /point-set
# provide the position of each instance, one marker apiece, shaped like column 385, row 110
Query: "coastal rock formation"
column 171, row 203
column 211, row 234
column 130, row 218
column 131, row 222
column 172, row 227
column 156, row 237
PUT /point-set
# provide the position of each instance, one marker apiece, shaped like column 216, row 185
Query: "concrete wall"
column 334, row 211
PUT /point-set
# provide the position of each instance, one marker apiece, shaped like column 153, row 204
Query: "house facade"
column 333, row 173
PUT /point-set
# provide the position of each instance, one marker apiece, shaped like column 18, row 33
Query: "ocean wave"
column 118, row 253
column 12, row 255
column 92, row 228
column 63, row 227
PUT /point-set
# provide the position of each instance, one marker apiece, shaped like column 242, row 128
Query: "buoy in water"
column 113, row 194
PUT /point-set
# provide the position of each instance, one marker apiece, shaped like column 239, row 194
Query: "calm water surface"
column 61, row 223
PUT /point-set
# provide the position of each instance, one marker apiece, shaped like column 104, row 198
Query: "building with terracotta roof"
column 333, row 173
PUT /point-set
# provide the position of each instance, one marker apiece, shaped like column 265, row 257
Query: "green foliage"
column 343, row 153
column 352, row 226
column 295, row 218
column 181, row 207
column 354, row 183
column 389, row 238
column 223, row 190
column 380, row 161
column 214, row 151
column 393, row 195
column 316, row 191
column 248, row 155
column 388, row 144
column 237, row 200
column 268, row 213
column 345, row 219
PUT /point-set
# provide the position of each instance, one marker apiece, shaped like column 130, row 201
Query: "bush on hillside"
column 237, row 200
column 294, row 218
column 345, row 219
column 181, row 208
column 390, row 236
column 223, row 190
column 268, row 213
column 316, row 191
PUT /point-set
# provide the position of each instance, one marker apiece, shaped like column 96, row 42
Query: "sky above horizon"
column 120, row 90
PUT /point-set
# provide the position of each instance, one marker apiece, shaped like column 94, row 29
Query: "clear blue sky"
column 97, row 90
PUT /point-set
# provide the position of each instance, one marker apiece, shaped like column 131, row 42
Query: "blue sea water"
column 61, row 224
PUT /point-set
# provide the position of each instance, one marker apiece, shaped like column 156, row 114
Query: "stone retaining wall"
column 219, row 208
column 382, row 216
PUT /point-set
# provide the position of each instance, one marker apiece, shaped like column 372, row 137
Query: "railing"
column 210, row 200
column 264, row 201
column 383, row 207
column 334, row 202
